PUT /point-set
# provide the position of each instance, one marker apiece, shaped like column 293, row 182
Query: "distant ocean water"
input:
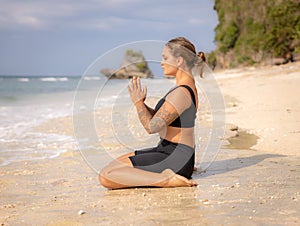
column 27, row 101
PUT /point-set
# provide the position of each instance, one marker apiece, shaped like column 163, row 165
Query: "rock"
column 81, row 212
column 232, row 127
column 107, row 72
column 231, row 131
column 134, row 64
column 279, row 61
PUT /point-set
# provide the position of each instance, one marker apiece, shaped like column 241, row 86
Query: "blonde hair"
column 181, row 46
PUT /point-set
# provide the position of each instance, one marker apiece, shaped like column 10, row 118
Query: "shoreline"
column 256, row 185
column 265, row 104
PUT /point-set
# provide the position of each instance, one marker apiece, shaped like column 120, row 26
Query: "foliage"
column 142, row 66
column 284, row 18
column 250, row 31
column 211, row 59
column 228, row 37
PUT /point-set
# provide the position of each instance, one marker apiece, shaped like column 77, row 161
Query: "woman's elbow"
column 152, row 130
column 148, row 130
column 156, row 126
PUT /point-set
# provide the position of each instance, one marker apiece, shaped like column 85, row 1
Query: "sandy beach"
column 254, row 179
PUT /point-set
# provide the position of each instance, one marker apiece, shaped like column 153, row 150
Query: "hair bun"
column 201, row 56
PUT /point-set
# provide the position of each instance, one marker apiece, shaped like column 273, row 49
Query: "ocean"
column 28, row 101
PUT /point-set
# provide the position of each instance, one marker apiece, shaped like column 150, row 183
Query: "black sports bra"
column 187, row 118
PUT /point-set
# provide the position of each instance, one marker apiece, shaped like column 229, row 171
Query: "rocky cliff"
column 256, row 31
column 133, row 64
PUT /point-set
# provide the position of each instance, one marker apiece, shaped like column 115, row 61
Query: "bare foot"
column 175, row 180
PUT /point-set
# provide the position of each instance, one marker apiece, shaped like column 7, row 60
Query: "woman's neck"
column 183, row 77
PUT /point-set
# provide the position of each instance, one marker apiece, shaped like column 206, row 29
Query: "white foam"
column 18, row 139
column 45, row 154
column 64, row 79
column 105, row 101
column 88, row 78
column 23, row 79
column 34, row 146
column 48, row 79
column 54, row 79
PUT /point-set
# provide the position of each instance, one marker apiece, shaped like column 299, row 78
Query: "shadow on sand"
column 224, row 166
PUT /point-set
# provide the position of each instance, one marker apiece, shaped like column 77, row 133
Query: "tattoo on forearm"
column 156, row 123
column 144, row 116
column 162, row 119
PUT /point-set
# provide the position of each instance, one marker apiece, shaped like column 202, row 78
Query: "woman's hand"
column 137, row 94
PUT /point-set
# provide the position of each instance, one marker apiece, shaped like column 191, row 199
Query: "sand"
column 264, row 102
column 256, row 184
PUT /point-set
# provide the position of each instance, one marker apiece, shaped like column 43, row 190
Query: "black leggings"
column 180, row 158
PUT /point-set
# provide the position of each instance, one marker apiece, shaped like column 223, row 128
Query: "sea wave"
column 19, row 138
column 23, row 79
column 54, row 79
column 88, row 78
column 21, row 118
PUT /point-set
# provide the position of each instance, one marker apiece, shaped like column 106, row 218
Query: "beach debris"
column 233, row 127
column 205, row 201
column 81, row 212
column 9, row 206
column 58, row 182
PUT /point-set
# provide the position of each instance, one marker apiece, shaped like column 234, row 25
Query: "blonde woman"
column 171, row 162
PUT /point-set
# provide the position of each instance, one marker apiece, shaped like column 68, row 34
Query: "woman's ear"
column 179, row 61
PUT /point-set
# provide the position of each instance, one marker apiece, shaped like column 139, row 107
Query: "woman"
column 171, row 163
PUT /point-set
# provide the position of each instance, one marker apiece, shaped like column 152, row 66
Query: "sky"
column 63, row 37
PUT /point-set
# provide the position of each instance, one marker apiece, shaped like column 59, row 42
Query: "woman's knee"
column 106, row 174
column 104, row 177
column 103, row 181
column 114, row 167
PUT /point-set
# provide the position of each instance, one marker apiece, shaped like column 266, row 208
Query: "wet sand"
column 254, row 180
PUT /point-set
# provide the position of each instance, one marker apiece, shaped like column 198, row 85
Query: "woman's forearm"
column 144, row 114
column 150, row 123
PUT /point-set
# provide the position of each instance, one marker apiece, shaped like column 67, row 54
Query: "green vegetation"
column 211, row 59
column 142, row 66
column 137, row 56
column 132, row 53
column 253, row 31
column 228, row 37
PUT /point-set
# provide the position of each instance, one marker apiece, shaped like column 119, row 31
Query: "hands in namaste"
column 137, row 94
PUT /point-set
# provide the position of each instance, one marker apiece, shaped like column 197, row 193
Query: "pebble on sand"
column 81, row 212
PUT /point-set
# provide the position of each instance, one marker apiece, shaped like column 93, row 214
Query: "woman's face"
column 168, row 63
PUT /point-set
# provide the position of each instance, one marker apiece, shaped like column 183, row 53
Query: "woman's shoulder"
column 181, row 89
column 179, row 95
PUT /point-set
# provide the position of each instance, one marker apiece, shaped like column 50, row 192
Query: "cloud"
column 96, row 14
column 29, row 21
column 69, row 33
column 105, row 23
column 196, row 21
column 16, row 15
column 41, row 14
